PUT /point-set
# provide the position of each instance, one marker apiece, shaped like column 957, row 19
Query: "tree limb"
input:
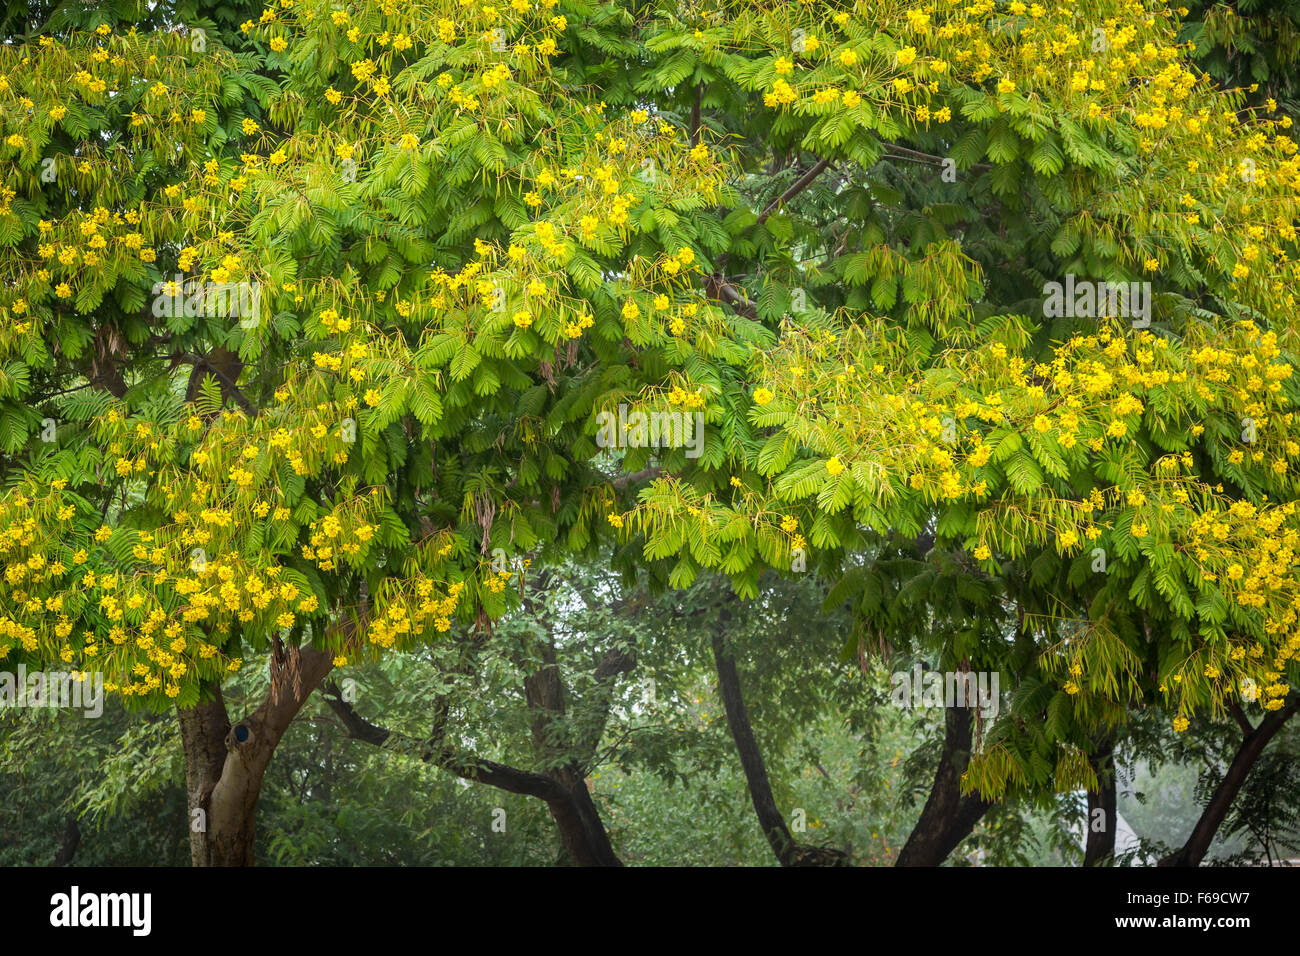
column 799, row 185
column 462, row 764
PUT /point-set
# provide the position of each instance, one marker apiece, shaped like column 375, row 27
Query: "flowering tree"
column 312, row 326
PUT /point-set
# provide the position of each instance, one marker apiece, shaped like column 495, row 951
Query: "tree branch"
column 927, row 159
column 1239, row 715
column 720, row 288
column 799, row 185
column 636, row 477
column 462, row 764
column 201, row 362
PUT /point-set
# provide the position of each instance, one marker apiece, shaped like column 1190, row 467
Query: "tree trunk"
column 203, row 738
column 1099, row 850
column 576, row 816
column 948, row 817
column 582, row 832
column 225, row 764
column 1212, row 817
column 68, row 845
column 770, row 820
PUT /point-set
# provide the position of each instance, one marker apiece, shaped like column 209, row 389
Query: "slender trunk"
column 770, row 820
column 1099, row 850
column 225, row 763
column 1212, row 817
column 948, row 817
